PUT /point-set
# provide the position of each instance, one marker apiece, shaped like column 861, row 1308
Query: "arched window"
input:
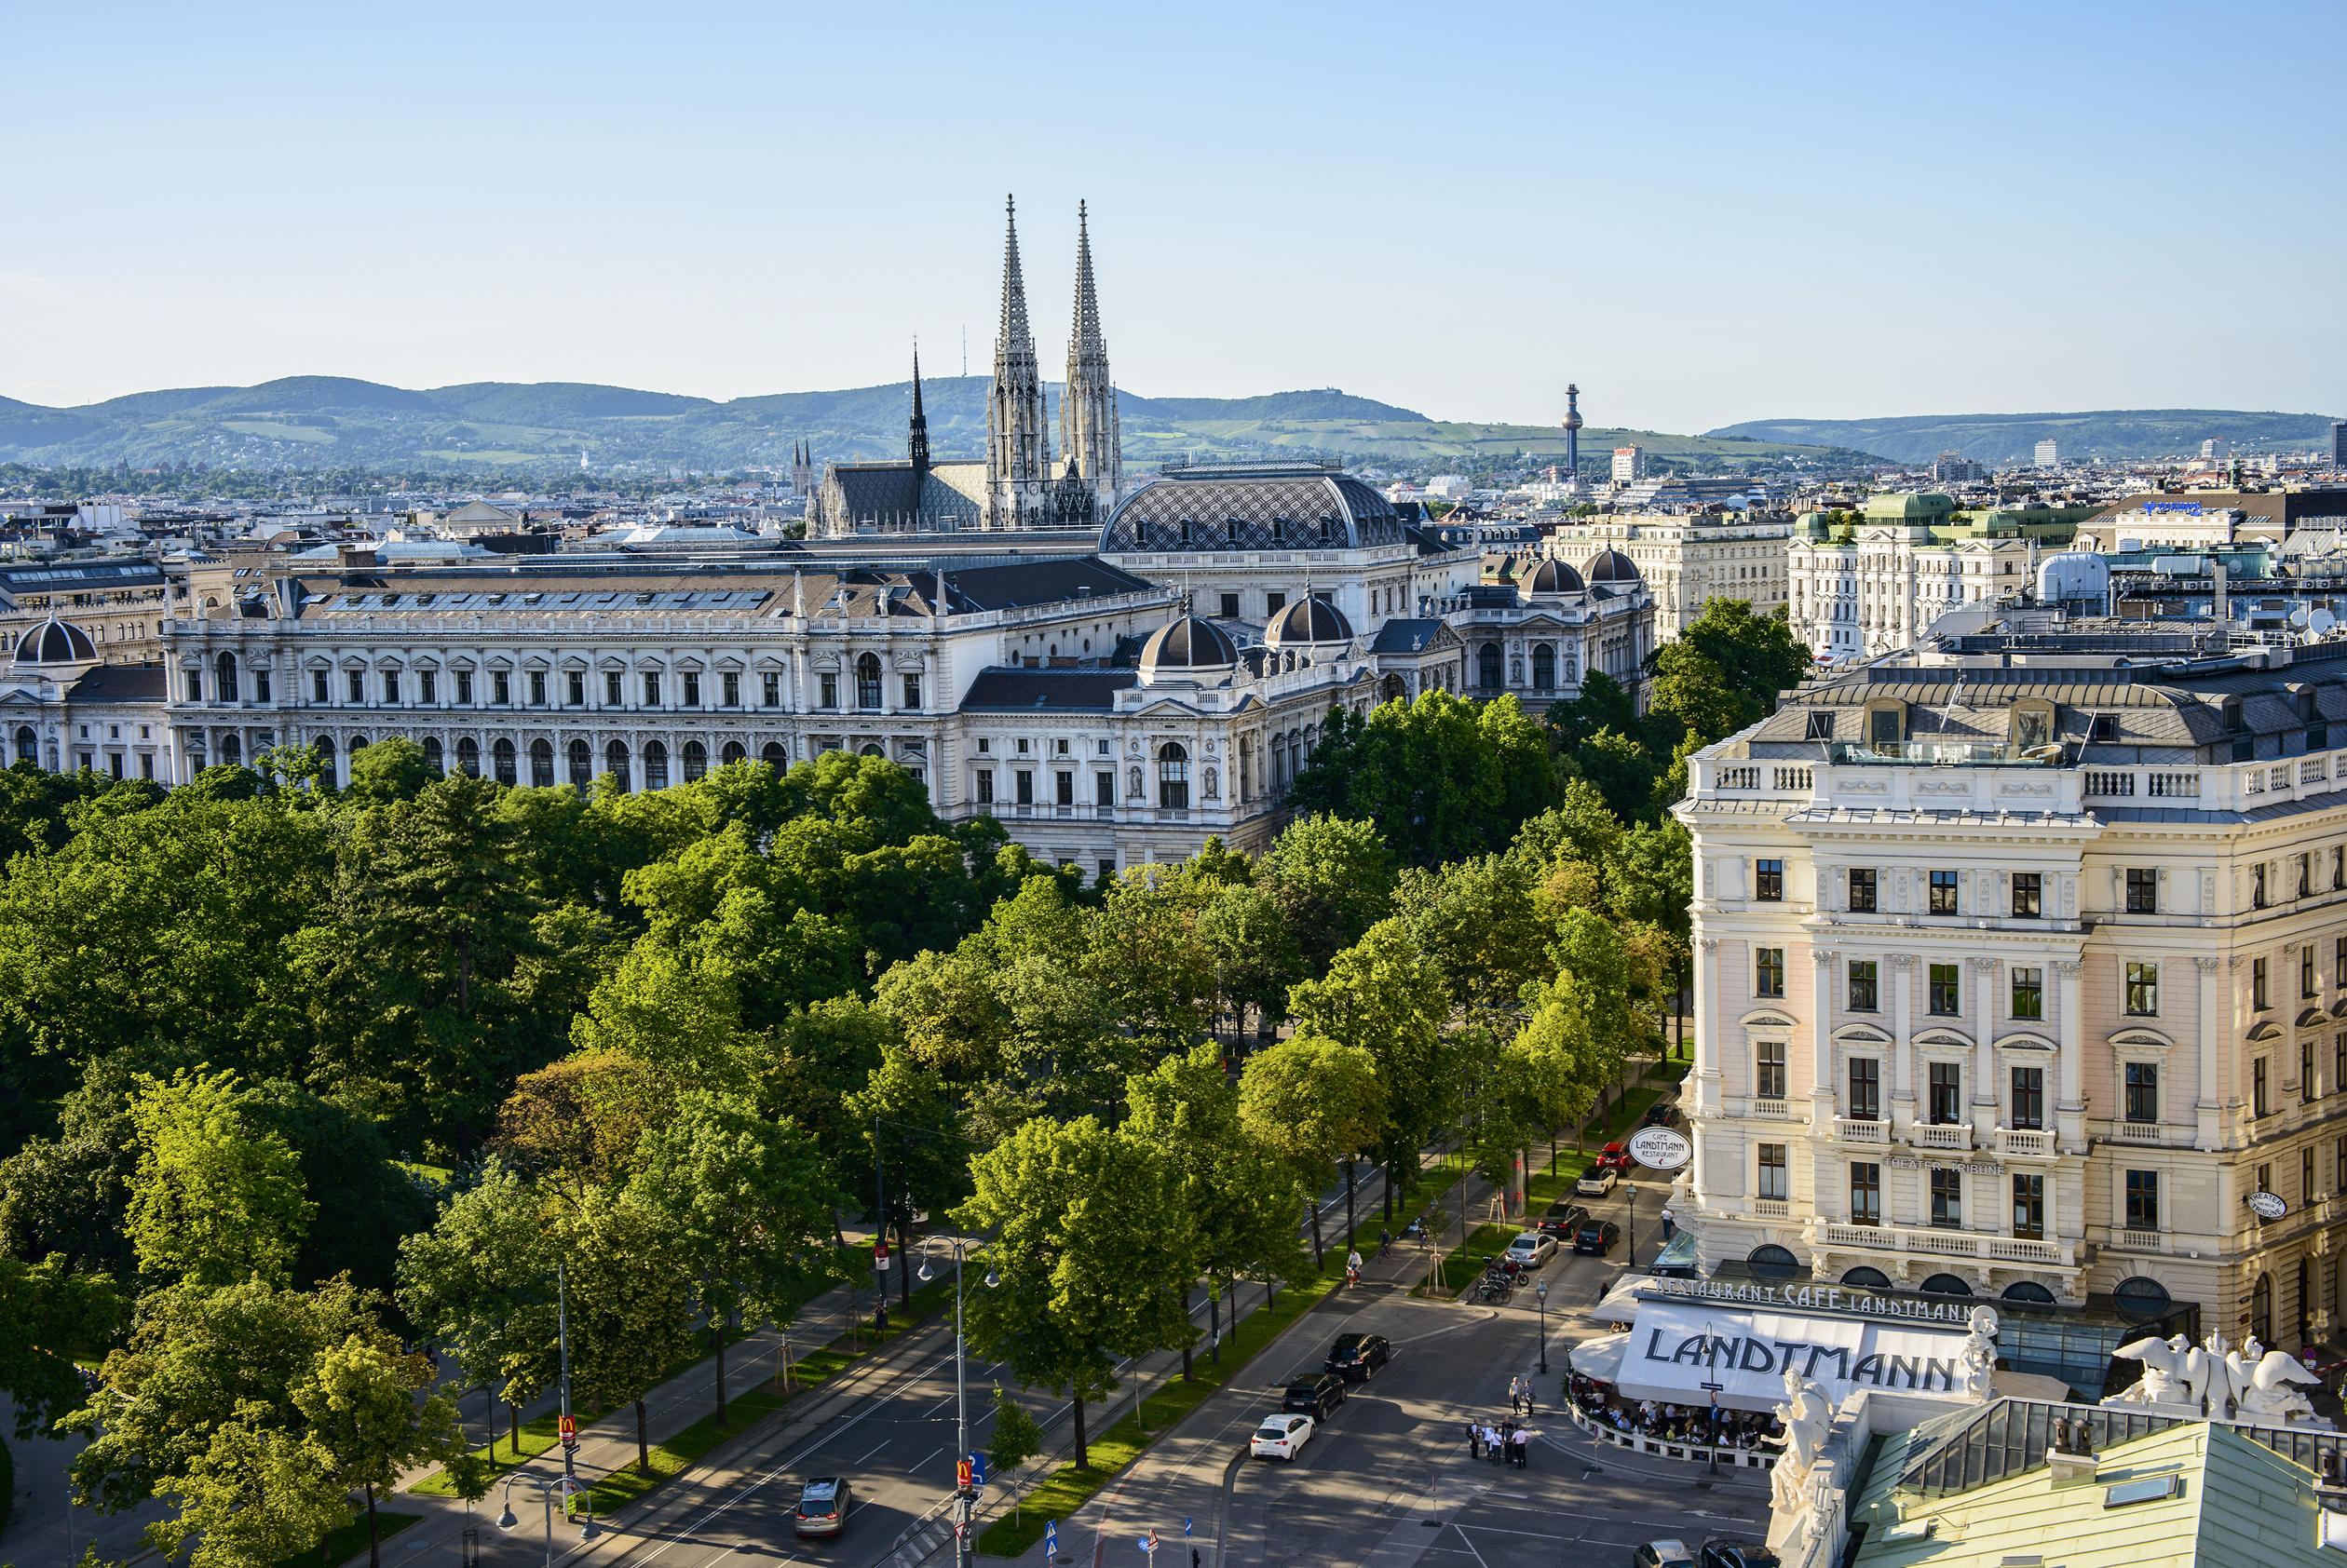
column 774, row 756
column 501, row 754
column 1769, row 1261
column 542, row 764
column 733, row 754
column 2261, row 1310
column 468, row 757
column 582, row 763
column 1543, row 667
column 1865, row 1278
column 869, row 750
column 28, row 745
column 224, row 670
column 655, row 765
column 231, row 749
column 1172, row 777
column 2140, row 1296
column 1946, row 1285
column 695, row 761
column 324, row 747
column 616, row 764
column 868, row 680
column 433, row 752
column 1489, row 661
column 2028, row 1291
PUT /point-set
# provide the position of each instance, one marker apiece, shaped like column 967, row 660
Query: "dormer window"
column 2232, row 716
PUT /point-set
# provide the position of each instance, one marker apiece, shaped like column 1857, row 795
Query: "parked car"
column 1664, row 1113
column 1313, row 1395
column 1596, row 1181
column 822, row 1506
column 1616, row 1157
column 1562, row 1220
column 1358, row 1355
column 1281, row 1436
column 1663, row 1554
column 1532, row 1247
column 1596, row 1236
column 1737, row 1554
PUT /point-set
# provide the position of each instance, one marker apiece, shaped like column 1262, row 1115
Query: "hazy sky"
column 1701, row 213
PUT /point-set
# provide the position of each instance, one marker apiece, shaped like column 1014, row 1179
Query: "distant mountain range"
column 2118, row 434
column 331, row 421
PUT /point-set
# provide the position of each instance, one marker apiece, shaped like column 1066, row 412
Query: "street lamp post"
column 965, row 1499
column 561, row 1342
column 1540, row 1289
column 548, row 1486
column 1630, row 1193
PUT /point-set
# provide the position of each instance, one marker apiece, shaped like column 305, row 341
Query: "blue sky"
column 1701, row 213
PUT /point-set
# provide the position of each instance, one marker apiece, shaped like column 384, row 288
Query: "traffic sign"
column 1149, row 1544
column 568, row 1427
column 1050, row 1538
column 978, row 1468
column 1186, row 1529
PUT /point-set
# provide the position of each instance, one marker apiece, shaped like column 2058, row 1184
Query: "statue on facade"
column 2164, row 1377
column 1979, row 1356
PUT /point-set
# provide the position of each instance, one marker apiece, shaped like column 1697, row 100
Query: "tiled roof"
column 1047, row 691
column 1405, row 636
column 1269, row 508
column 120, row 682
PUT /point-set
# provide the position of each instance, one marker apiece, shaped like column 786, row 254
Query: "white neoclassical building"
column 1877, row 584
column 1688, row 560
column 2031, row 984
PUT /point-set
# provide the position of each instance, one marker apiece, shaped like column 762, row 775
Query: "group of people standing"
column 1506, row 1443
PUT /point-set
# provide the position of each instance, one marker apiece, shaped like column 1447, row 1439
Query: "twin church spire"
column 1022, row 490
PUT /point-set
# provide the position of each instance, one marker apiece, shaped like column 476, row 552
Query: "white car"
column 1532, row 1248
column 1595, row 1184
column 1281, row 1436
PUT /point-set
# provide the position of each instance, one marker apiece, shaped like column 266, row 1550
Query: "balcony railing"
column 2138, row 1132
column 1852, row 1130
column 1771, row 1208
column 2143, row 1240
column 1773, row 1110
column 2022, row 1143
column 1947, row 1244
column 1941, row 1135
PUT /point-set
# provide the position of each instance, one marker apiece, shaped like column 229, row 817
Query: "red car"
column 1616, row 1157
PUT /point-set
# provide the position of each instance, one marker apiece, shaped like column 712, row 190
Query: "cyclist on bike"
column 1352, row 1268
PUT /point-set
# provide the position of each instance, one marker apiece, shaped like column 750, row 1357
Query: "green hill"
column 320, row 422
column 2119, row 435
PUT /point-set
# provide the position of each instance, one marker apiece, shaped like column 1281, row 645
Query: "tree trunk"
column 514, row 1415
column 1083, row 1453
column 644, row 1444
column 904, row 1262
column 1320, row 1256
column 1214, row 1321
column 718, row 1330
column 374, row 1533
column 1351, row 1228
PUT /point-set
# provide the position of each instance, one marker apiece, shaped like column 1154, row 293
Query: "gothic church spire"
column 916, row 438
column 1089, row 433
column 1018, row 440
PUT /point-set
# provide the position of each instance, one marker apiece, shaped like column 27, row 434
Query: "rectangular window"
column 357, row 684
column 912, row 692
column 770, row 690
column 1104, row 789
column 427, row 685
column 259, row 692
column 390, row 686
column 1865, row 1089
column 195, row 686
column 2306, row 970
column 1942, row 892
column 1273, row 603
column 1948, row 1093
column 1773, row 1182
column 1768, row 971
column 2257, row 886
column 2306, row 1069
column 1821, row 724
column 2143, row 890
column 2257, row 985
column 2143, row 990
column 1948, row 1198
column 1064, row 785
column 1230, row 606
column 985, row 786
column 614, row 696
column 2143, row 1200
column 2029, row 1208
column 2339, row 868
column 1866, row 1193
column 1768, row 1075
column 1026, row 786
column 2338, row 1167
column 2028, row 1100
column 1863, row 991
column 464, row 687
column 2029, row 992
column 651, row 689
column 2306, row 874
column 575, row 688
column 830, row 692
column 2338, row 963
column 537, row 688
column 1946, row 991
column 2339, row 1063
column 730, row 685
column 692, row 688
column 1861, row 889
column 318, row 692
column 2306, row 1175
column 2143, row 1092
column 2029, row 895
column 1768, row 881
column 501, row 688
column 2260, row 1091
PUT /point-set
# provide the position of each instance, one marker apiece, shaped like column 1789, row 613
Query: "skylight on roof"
column 2150, row 1489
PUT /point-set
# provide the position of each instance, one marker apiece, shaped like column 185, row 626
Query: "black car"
column 1314, row 1395
column 1355, row 1357
column 1596, row 1236
column 1736, row 1554
column 1664, row 1114
column 1562, row 1220
column 822, row 1506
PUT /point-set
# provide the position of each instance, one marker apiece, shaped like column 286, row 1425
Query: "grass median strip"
column 1463, row 1264
column 1067, row 1488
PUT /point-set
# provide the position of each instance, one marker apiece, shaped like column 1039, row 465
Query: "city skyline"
column 650, row 211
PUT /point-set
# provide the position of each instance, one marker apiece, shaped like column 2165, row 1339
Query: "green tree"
column 744, row 1203
column 1081, row 1217
column 392, row 769
column 1442, row 777
column 256, row 1495
column 480, row 1282
column 1310, row 1101
column 214, row 1198
column 1331, row 878
column 360, row 1400
column 1017, row 1439
column 908, row 1135
column 629, row 1287
column 46, row 1315
column 1252, row 949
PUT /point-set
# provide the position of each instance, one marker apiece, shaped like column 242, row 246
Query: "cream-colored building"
column 1876, row 583
column 2024, row 982
column 1690, row 560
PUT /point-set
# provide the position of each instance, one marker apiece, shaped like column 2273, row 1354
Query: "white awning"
column 1599, row 1357
column 1675, row 1348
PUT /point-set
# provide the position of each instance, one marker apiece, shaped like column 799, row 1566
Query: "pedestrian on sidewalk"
column 1524, row 1448
column 1668, row 1222
column 1515, row 1395
column 1474, row 1439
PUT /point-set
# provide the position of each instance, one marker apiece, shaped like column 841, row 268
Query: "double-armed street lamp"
column 548, row 1486
column 964, row 1498
column 1540, row 1289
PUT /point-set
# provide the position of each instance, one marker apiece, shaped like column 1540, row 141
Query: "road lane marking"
column 917, row 1463
column 1471, row 1547
column 940, row 1405
column 882, row 1445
